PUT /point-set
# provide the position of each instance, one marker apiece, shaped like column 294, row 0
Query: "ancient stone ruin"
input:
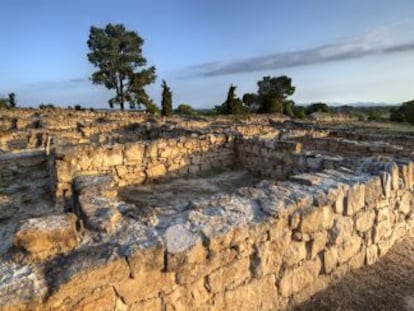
column 121, row 211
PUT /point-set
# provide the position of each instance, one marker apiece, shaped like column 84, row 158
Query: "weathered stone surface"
column 134, row 152
column 342, row 230
column 21, row 287
column 189, row 297
column 298, row 278
column 365, row 220
column 73, row 276
column 330, row 259
column 349, row 248
column 295, row 253
column 317, row 219
column 372, row 254
column 257, row 295
column 229, row 276
column 355, row 199
column 270, row 257
column 99, row 214
column 102, row 299
column 47, row 236
column 318, row 243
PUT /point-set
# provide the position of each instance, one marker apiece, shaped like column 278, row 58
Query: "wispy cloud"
column 375, row 43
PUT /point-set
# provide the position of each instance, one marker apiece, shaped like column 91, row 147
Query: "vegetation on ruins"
column 117, row 53
column 166, row 101
column 232, row 104
column 317, row 107
column 273, row 94
column 47, row 106
column 403, row 113
column 8, row 102
column 152, row 108
column 184, row 109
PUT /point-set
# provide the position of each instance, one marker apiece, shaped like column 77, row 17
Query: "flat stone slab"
column 45, row 237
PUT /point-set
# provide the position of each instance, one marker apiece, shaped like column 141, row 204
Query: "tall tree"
column 166, row 101
column 273, row 93
column 117, row 53
column 232, row 104
column 12, row 100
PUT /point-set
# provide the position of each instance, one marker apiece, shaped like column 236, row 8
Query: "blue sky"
column 335, row 51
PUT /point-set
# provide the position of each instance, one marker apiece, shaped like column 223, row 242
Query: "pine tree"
column 166, row 102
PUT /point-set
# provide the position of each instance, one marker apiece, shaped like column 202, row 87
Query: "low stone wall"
column 11, row 141
column 133, row 163
column 354, row 148
column 263, row 248
column 280, row 159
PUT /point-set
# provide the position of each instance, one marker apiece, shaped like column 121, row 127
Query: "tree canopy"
column 8, row 102
column 317, row 107
column 166, row 101
column 117, row 53
column 273, row 93
column 185, row 110
column 404, row 113
column 232, row 104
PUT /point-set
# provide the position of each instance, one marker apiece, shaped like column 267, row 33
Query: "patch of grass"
column 385, row 127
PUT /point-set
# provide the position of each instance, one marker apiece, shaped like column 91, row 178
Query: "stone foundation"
column 316, row 214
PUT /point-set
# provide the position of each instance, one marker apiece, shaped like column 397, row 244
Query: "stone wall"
column 263, row 248
column 353, row 148
column 278, row 159
column 135, row 162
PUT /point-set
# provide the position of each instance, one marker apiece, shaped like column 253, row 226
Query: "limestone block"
column 113, row 156
column 295, row 252
column 134, row 152
column 404, row 203
column 259, row 294
column 270, row 257
column 384, row 246
column 102, row 299
column 317, row 219
column 358, row 260
column 364, row 220
column 156, row 170
column 330, row 259
column 151, row 151
column 373, row 190
column 293, row 281
column 71, row 277
column 148, row 305
column 144, row 286
column 355, row 200
column 189, row 297
column 146, row 259
column 386, row 182
column 349, row 248
column 228, row 277
column 318, row 243
column 372, row 254
column 47, row 236
column 99, row 214
column 381, row 231
column 395, row 178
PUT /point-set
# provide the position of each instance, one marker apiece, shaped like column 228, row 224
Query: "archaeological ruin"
column 126, row 211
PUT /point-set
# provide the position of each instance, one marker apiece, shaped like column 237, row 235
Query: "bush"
column 185, row 110
column 153, row 109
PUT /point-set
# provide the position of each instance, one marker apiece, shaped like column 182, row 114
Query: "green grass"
column 384, row 127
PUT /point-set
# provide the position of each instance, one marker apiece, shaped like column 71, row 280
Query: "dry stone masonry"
column 319, row 203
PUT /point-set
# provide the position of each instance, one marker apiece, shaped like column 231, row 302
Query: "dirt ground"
column 172, row 192
column 387, row 285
